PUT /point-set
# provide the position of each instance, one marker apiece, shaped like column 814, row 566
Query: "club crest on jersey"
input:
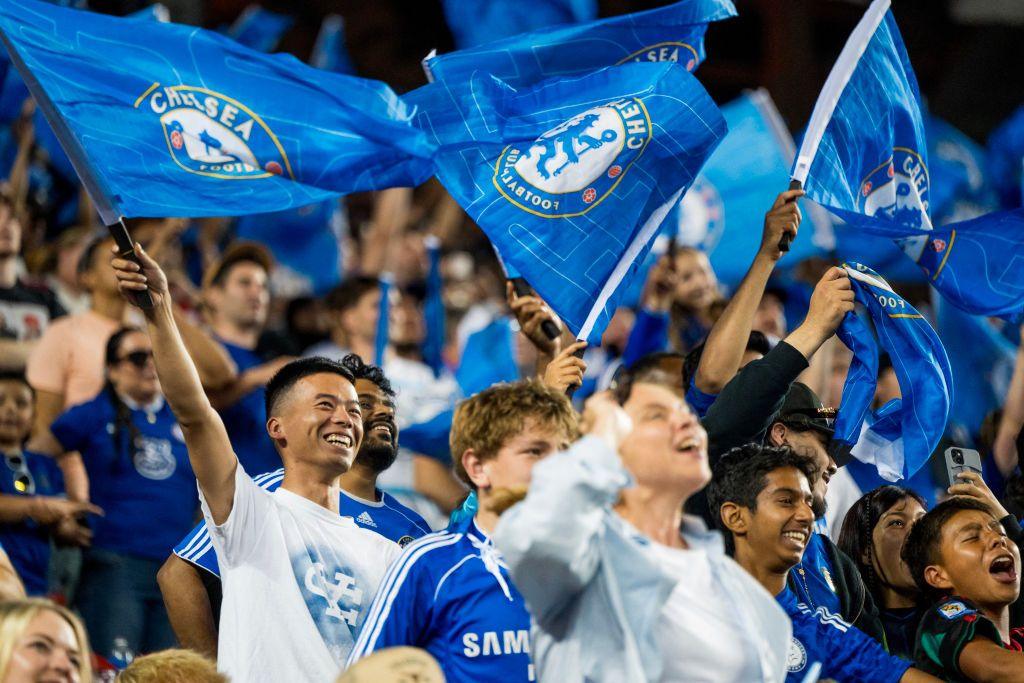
column 214, row 135
column 670, row 51
column 796, row 657
column 953, row 609
column 569, row 169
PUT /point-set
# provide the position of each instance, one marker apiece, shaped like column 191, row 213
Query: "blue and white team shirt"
column 387, row 517
column 811, row 578
column 844, row 652
column 298, row 580
column 451, row 594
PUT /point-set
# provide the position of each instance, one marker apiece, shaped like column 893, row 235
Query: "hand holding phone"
column 963, row 466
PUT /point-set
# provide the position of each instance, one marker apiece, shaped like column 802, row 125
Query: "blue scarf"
column 902, row 434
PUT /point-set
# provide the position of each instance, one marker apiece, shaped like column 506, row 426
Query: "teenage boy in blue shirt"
column 451, row 593
column 764, row 502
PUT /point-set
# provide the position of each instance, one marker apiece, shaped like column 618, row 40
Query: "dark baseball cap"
column 803, row 410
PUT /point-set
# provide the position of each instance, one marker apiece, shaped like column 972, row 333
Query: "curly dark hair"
column 741, row 474
column 372, row 373
column 855, row 538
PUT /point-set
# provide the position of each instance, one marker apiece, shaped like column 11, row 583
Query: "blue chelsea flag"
column 572, row 178
column 169, row 120
column 667, row 34
column 723, row 212
column 474, row 22
column 865, row 158
column 904, row 432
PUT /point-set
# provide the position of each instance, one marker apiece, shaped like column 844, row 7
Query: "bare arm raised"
column 209, row 448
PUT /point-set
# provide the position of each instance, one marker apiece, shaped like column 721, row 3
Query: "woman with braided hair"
column 134, row 454
column 872, row 535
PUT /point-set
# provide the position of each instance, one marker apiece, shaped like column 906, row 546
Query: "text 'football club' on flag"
column 571, row 179
column 865, row 158
column 156, row 117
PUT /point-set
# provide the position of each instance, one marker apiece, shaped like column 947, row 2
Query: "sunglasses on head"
column 137, row 358
column 23, row 480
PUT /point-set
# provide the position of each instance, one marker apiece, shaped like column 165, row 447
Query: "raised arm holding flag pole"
column 864, row 157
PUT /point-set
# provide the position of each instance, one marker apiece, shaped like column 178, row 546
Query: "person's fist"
column 566, row 370
column 831, row 300
column 532, row 312
column 48, row 510
column 138, row 277
column 604, row 418
column 782, row 219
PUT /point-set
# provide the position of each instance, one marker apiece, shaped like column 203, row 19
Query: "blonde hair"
column 16, row 615
column 485, row 421
column 172, row 666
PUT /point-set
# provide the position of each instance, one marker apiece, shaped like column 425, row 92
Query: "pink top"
column 69, row 358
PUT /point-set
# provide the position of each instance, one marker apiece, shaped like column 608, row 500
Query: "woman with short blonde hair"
column 40, row 637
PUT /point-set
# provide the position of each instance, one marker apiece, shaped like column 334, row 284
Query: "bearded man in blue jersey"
column 192, row 596
column 450, row 593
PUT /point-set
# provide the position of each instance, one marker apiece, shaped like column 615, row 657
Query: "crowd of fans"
column 681, row 518
column 247, row 481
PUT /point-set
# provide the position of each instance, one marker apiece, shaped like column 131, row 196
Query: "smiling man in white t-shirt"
column 297, row 577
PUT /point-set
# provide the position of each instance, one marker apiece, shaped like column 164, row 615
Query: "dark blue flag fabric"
column 904, row 433
column 204, row 126
column 572, row 178
column 961, row 188
column 722, row 214
column 667, row 34
column 433, row 309
column 474, row 22
column 259, row 28
column 982, row 362
column 865, row 158
column 304, row 241
column 329, row 52
column 1006, row 160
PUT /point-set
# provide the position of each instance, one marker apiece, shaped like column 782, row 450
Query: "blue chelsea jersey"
column 27, row 542
column 147, row 489
column 246, row 420
column 451, row 594
column 387, row 517
column 844, row 652
column 812, row 580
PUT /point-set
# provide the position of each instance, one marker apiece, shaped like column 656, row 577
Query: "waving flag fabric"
column 571, row 179
column 722, row 214
column 905, row 432
column 204, row 126
column 1006, row 160
column 981, row 360
column 259, row 28
column 667, row 34
column 329, row 52
column 474, row 22
column 865, row 158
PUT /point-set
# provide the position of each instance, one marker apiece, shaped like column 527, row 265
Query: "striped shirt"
column 450, row 593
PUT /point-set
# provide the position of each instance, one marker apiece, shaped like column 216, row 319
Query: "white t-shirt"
column 697, row 629
column 297, row 582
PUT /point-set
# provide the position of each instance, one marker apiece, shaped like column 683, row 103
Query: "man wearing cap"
column 236, row 299
column 764, row 404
